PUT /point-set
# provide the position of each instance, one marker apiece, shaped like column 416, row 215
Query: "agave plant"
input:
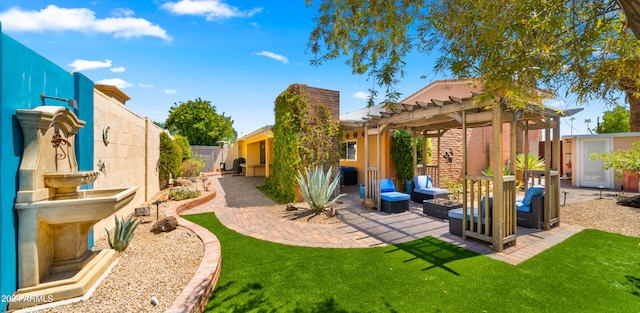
column 123, row 233
column 317, row 188
column 533, row 162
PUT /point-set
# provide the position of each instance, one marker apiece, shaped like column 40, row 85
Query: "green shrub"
column 191, row 168
column 170, row 161
column 402, row 154
column 183, row 142
column 123, row 233
column 317, row 188
column 183, row 193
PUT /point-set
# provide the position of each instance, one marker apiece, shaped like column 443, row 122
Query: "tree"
column 615, row 120
column 199, row 122
column 588, row 121
column 620, row 160
column 580, row 46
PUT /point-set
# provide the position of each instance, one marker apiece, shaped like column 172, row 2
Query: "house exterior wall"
column 129, row 158
column 24, row 75
column 621, row 141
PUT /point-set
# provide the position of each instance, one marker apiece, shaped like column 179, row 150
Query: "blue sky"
column 237, row 54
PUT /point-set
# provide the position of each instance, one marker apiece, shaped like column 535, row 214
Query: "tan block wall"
column 130, row 158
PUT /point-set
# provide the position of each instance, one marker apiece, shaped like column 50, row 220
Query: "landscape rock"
column 632, row 202
column 166, row 224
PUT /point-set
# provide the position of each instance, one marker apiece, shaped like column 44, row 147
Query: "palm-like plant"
column 317, row 188
column 533, row 162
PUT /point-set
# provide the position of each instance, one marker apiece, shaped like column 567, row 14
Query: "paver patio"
column 240, row 206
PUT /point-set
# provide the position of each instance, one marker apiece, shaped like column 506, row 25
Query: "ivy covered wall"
column 306, row 133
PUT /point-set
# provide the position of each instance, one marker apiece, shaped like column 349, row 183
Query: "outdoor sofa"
column 455, row 217
column 423, row 189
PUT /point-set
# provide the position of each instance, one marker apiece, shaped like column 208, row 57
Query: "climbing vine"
column 299, row 141
column 402, row 154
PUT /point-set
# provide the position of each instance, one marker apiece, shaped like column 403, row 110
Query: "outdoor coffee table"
column 439, row 207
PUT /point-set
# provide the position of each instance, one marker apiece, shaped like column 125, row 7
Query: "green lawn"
column 592, row 271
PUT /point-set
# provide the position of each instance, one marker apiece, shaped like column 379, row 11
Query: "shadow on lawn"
column 635, row 282
column 434, row 251
column 253, row 300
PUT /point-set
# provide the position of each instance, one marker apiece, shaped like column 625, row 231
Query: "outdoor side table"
column 439, row 207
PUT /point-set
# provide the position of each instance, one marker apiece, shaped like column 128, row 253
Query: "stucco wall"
column 130, row 157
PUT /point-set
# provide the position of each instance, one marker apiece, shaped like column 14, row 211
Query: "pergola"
column 432, row 119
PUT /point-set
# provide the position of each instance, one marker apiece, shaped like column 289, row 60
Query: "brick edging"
column 196, row 294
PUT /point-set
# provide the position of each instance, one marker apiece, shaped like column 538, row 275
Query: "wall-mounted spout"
column 72, row 102
column 57, row 141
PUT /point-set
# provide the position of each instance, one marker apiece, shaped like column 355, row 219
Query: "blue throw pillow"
column 429, row 182
column 420, row 181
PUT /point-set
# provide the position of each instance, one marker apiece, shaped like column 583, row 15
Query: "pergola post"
column 366, row 162
column 415, row 155
column 496, row 164
column 465, row 186
column 547, row 171
column 555, row 203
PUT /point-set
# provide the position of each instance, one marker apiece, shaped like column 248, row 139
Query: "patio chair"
column 392, row 201
column 423, row 189
column 529, row 210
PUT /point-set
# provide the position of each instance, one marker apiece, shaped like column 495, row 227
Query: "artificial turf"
column 593, row 271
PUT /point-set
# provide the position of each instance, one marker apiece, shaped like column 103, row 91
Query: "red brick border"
column 196, row 294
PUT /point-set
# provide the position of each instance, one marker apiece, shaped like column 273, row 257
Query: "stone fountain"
column 54, row 216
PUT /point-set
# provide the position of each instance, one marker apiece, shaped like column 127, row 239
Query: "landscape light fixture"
column 157, row 203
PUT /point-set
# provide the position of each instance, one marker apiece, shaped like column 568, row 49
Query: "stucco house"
column 584, row 172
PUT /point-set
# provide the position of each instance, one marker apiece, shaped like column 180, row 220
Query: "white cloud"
column 82, row 65
column 141, row 85
column 53, row 18
column 553, row 103
column 120, row 69
column 274, row 56
column 118, row 82
column 170, row 91
column 210, row 9
column 361, row 95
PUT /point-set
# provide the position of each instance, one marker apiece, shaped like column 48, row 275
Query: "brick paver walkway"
column 239, row 206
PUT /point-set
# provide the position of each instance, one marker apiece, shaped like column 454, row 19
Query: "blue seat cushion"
column 422, row 181
column 457, row 214
column 394, row 196
column 533, row 191
column 522, row 207
column 432, row 191
column 483, row 205
column 386, row 185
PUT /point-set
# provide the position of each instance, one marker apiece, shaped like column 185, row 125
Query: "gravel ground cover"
column 154, row 265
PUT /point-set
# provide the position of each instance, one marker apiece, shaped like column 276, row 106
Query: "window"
column 348, row 150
